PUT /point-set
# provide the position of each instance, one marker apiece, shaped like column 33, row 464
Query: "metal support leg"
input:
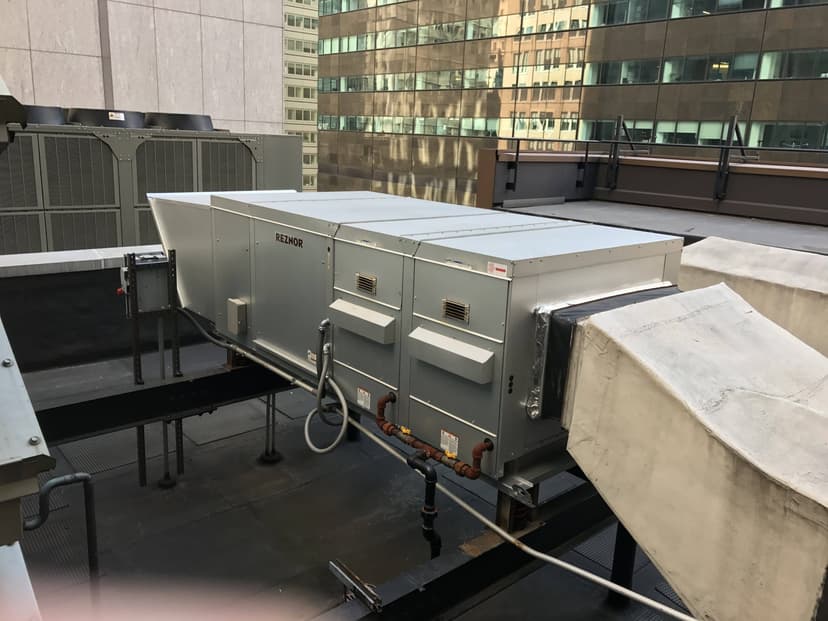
column 166, row 481
column 270, row 455
column 512, row 514
column 132, row 287
column 179, row 446
column 141, row 445
column 172, row 283
column 623, row 564
column 161, row 356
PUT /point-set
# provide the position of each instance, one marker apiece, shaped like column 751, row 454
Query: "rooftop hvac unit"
column 432, row 302
column 66, row 187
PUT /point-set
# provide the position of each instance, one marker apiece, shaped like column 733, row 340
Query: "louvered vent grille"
column 18, row 183
column 80, row 230
column 456, row 310
column 147, row 232
column 366, row 284
column 164, row 166
column 20, row 233
column 79, row 172
column 226, row 166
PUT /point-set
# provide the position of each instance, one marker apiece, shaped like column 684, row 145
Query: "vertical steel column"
column 623, row 565
column 141, row 445
column 166, row 481
column 270, row 455
column 161, row 357
column 172, row 298
column 132, row 301
column 179, row 445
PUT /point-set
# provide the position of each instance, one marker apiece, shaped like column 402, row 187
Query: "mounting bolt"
column 7, row 362
column 34, row 440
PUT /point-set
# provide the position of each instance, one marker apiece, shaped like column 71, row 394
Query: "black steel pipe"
column 91, row 520
column 419, row 461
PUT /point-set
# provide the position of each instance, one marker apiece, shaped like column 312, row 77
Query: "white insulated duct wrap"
column 704, row 426
column 787, row 286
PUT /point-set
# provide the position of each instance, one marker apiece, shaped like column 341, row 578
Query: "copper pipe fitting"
column 460, row 468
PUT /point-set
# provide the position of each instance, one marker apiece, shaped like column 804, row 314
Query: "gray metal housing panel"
column 540, row 250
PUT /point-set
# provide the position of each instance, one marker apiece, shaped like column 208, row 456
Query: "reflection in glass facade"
column 410, row 91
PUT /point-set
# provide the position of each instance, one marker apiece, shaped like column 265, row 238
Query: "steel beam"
column 144, row 404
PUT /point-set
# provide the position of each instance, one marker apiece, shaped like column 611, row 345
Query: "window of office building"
column 789, row 135
column 301, row 69
column 710, row 68
column 301, row 114
column 396, row 38
column 622, row 72
column 691, row 8
column 479, row 127
column 393, row 124
column 628, row 11
column 310, row 3
column 394, row 82
column 309, row 181
column 794, row 64
column 300, row 21
column 301, row 92
column 301, row 46
column 307, row 137
column 441, row 33
column 433, row 126
column 309, row 159
column 434, row 80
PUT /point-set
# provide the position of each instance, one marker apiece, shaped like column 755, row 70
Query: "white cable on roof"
column 607, row 584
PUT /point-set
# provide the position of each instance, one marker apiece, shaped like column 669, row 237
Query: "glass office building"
column 410, row 91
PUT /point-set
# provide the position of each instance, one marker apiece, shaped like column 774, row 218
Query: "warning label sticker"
column 116, row 116
column 449, row 442
column 363, row 398
column 498, row 269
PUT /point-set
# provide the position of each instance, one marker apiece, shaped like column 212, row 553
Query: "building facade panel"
column 448, row 77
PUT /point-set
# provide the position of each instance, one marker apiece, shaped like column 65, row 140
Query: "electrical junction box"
column 431, row 301
column 152, row 282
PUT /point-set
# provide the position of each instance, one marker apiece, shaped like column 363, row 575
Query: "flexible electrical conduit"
column 546, row 558
column 671, row 612
column 316, row 391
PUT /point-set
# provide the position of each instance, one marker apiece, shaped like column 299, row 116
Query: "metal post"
column 723, row 171
column 172, row 293
column 179, row 445
column 614, row 159
column 161, row 356
column 270, row 455
column 166, row 481
column 623, row 565
column 141, row 444
column 132, row 286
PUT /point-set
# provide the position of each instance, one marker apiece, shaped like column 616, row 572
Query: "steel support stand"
column 166, row 481
column 172, row 295
column 132, row 283
column 161, row 357
column 141, row 444
column 623, row 565
column 512, row 514
column 270, row 455
column 179, row 446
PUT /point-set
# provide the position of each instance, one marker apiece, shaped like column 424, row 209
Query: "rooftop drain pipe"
column 418, row 462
